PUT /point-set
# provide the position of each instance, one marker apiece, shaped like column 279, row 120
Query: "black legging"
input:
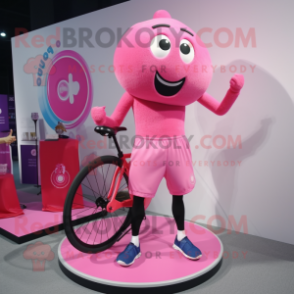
column 138, row 213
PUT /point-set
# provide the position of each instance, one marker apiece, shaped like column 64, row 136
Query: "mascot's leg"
column 138, row 213
column 132, row 251
column 178, row 210
column 182, row 243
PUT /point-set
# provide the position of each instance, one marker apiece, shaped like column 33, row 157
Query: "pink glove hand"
column 98, row 115
column 236, row 83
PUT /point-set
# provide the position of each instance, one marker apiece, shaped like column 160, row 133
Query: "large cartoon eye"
column 160, row 46
column 186, row 51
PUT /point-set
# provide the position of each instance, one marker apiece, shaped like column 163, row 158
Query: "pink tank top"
column 156, row 119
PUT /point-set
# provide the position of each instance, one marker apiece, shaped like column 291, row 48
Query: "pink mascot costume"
column 163, row 66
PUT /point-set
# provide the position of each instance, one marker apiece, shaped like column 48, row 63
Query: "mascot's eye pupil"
column 185, row 48
column 164, row 44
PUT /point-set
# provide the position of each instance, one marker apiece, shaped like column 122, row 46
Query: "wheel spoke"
column 103, row 179
column 91, row 187
column 91, row 230
column 87, row 225
column 121, row 188
column 92, row 200
column 97, row 182
column 106, row 229
column 97, row 233
column 106, row 177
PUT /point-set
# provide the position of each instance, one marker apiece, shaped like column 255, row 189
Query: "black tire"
column 69, row 222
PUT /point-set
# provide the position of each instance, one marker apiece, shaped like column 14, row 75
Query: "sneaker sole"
column 120, row 262
column 189, row 257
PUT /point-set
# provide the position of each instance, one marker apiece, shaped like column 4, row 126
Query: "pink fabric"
column 153, row 159
column 158, row 119
column 9, row 203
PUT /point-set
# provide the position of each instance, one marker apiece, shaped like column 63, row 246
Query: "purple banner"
column 28, row 164
column 5, row 160
column 4, row 122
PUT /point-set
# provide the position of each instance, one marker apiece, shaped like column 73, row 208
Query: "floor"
column 250, row 265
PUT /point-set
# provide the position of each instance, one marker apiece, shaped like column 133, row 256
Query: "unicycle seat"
column 107, row 131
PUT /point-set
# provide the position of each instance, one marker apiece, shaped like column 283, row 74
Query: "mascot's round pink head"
column 163, row 60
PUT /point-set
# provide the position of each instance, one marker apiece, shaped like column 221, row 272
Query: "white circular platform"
column 160, row 269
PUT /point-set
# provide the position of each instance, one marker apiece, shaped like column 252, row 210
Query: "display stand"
column 37, row 155
column 59, row 163
column 159, row 269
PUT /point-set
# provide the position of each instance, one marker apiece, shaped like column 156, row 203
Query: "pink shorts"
column 153, row 159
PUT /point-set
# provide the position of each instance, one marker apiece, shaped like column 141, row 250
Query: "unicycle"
column 98, row 199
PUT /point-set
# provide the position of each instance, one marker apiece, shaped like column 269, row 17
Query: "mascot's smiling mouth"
column 166, row 88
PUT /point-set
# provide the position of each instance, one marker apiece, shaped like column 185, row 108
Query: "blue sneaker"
column 187, row 248
column 128, row 256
